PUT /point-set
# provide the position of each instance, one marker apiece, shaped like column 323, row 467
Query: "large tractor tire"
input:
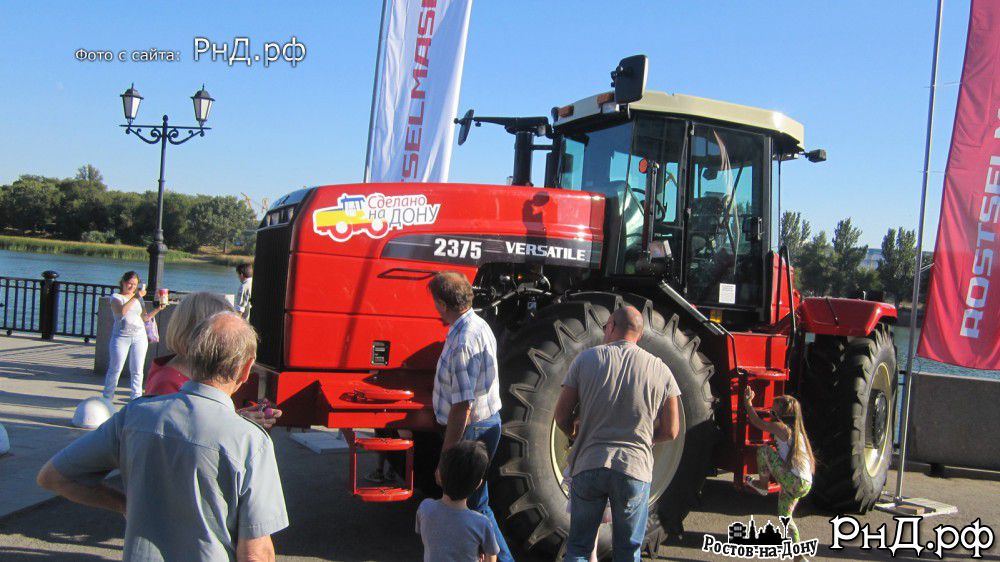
column 848, row 406
column 527, row 490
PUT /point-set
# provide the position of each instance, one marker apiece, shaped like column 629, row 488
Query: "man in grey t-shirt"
column 201, row 481
column 628, row 401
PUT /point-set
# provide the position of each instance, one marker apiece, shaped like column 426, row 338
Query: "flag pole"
column 911, row 351
column 371, row 114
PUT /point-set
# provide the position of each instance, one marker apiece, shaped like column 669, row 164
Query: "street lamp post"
column 163, row 134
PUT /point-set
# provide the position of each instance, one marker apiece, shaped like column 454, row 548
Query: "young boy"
column 451, row 532
column 242, row 304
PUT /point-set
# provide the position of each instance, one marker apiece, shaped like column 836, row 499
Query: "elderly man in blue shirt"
column 466, row 385
column 201, row 481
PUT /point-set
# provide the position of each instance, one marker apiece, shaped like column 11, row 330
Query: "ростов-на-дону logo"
column 769, row 541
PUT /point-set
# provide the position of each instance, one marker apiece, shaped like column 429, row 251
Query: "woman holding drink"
column 128, row 334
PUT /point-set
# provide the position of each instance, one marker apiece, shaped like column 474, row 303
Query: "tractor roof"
column 790, row 132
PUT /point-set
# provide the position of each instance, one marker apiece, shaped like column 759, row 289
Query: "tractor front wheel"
column 848, row 406
column 528, row 492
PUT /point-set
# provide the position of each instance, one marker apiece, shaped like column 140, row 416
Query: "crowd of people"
column 201, row 479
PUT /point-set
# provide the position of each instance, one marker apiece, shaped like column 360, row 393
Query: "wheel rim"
column 666, row 458
column 878, row 418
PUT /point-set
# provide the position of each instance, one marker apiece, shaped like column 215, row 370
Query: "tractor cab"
column 688, row 185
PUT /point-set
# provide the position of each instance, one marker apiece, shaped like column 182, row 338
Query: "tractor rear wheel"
column 848, row 406
column 527, row 490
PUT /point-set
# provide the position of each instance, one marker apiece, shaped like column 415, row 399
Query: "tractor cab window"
column 597, row 160
column 608, row 161
column 659, row 140
column 726, row 210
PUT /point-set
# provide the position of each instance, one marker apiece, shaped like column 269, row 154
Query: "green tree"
column 31, row 203
column 794, row 232
column 816, row 265
column 122, row 211
column 220, row 220
column 899, row 258
column 866, row 279
column 177, row 230
column 83, row 208
column 90, row 174
column 177, row 233
column 847, row 258
column 794, row 235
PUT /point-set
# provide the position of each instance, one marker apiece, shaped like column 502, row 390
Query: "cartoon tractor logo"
column 348, row 218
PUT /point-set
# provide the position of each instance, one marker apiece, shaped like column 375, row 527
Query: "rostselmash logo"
column 974, row 537
column 768, row 542
column 374, row 215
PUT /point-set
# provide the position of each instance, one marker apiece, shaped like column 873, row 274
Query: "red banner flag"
column 962, row 326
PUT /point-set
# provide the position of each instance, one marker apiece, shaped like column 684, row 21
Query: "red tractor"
column 660, row 201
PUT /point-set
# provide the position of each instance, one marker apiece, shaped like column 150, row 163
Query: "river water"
column 190, row 277
column 186, row 277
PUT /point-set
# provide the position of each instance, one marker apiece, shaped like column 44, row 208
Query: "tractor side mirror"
column 465, row 124
column 629, row 79
column 814, row 156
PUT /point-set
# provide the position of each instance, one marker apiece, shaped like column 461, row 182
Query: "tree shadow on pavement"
column 17, row 554
column 62, row 528
column 37, row 401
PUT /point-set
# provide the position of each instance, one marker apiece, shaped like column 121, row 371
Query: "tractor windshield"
column 597, row 160
column 607, row 161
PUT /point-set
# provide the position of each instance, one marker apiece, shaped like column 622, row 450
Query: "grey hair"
column 193, row 309
column 220, row 346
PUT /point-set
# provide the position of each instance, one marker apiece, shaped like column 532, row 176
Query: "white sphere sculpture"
column 92, row 412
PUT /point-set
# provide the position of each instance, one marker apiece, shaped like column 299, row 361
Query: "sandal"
column 752, row 484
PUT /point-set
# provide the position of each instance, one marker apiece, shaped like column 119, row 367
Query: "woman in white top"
column 128, row 333
column 791, row 463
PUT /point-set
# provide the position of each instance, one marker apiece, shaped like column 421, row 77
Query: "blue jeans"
column 629, row 498
column 118, row 347
column 488, row 432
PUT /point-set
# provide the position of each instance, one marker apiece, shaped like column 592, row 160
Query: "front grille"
column 270, row 280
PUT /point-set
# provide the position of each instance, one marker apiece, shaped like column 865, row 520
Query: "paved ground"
column 40, row 385
column 37, row 401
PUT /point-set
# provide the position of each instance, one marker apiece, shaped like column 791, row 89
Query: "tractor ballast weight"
column 662, row 202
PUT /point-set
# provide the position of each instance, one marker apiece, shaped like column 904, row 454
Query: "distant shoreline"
column 111, row 251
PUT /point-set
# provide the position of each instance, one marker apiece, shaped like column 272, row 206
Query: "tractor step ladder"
column 766, row 384
column 379, row 444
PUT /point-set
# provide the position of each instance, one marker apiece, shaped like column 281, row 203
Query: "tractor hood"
column 455, row 224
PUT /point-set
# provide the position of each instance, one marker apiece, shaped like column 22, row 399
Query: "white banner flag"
column 424, row 50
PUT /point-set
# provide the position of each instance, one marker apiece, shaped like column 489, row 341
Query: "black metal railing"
column 76, row 307
column 50, row 307
column 19, row 304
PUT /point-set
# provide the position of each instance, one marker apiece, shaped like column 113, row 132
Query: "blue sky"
column 854, row 73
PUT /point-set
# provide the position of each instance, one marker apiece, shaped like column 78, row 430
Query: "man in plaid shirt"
column 466, row 385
